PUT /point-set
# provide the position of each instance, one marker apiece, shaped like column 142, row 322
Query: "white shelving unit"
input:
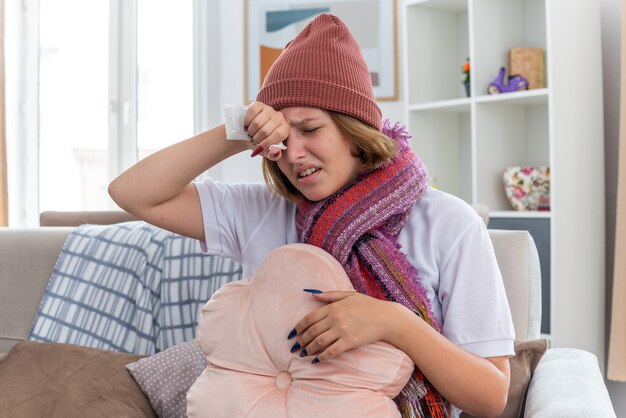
column 466, row 142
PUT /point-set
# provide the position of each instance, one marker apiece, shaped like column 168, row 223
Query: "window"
column 116, row 83
column 165, row 73
column 93, row 86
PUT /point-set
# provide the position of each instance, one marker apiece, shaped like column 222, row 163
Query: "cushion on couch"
column 523, row 364
column 130, row 287
column 103, row 290
column 243, row 332
column 65, row 381
column 166, row 377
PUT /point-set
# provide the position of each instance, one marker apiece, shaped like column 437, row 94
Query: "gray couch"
column 566, row 383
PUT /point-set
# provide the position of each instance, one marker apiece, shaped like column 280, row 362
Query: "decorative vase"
column 527, row 188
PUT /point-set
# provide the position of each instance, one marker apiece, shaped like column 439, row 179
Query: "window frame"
column 122, row 149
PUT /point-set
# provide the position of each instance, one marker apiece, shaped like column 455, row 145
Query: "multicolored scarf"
column 359, row 225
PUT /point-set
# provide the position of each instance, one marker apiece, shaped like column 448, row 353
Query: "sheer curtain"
column 4, row 203
column 617, row 344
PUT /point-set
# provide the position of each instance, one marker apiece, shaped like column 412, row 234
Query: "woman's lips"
column 309, row 178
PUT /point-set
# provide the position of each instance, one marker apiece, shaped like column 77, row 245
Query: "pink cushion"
column 243, row 333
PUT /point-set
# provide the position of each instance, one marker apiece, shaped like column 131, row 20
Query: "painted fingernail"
column 257, row 151
column 292, row 334
column 304, row 353
column 315, row 360
column 295, row 347
column 317, row 292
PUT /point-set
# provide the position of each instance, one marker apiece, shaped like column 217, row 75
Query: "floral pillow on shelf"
column 527, row 187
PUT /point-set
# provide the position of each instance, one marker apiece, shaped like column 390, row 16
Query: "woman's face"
column 319, row 160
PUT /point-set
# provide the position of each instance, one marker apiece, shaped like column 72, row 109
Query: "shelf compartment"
column 435, row 67
column 443, row 140
column 499, row 26
column 508, row 133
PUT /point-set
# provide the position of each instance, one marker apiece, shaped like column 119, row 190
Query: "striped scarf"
column 359, row 225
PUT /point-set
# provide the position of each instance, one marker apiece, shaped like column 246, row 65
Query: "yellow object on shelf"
column 529, row 63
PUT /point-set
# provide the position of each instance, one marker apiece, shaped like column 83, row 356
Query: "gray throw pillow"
column 166, row 377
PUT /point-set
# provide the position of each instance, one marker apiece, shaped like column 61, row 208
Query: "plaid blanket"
column 129, row 287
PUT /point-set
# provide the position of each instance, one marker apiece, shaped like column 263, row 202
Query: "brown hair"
column 372, row 147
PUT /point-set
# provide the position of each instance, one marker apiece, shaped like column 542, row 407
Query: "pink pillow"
column 243, row 333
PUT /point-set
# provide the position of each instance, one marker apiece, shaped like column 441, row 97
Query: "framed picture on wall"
column 271, row 24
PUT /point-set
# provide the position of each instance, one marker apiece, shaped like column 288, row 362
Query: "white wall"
column 611, row 40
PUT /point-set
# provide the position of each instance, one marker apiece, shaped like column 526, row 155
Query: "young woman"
column 421, row 260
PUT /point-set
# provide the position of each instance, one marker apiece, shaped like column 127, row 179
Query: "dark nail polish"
column 315, row 361
column 304, row 353
column 315, row 291
column 295, row 347
column 292, row 334
column 257, row 151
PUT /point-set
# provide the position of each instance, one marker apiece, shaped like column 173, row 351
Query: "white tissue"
column 233, row 121
column 279, row 146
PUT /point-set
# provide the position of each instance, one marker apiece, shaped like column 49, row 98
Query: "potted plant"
column 466, row 81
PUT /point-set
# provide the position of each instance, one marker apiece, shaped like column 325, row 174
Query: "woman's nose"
column 296, row 149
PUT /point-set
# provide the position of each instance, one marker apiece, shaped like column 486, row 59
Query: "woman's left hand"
column 267, row 129
column 350, row 320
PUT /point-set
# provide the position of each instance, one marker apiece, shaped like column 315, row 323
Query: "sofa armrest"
column 568, row 383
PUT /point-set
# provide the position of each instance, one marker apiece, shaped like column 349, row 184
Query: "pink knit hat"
column 323, row 67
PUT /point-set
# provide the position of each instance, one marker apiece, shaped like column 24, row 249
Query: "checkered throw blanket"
column 129, row 287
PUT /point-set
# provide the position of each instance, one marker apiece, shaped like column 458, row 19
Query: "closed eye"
column 309, row 130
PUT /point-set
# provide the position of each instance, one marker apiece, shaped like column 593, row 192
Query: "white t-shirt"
column 444, row 238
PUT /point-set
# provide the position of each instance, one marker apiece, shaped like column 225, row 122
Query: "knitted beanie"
column 323, row 67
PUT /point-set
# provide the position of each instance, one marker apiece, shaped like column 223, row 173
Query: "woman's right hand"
column 266, row 127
